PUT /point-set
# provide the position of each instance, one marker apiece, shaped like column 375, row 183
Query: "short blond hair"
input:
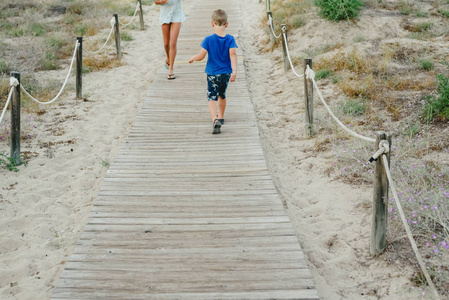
column 220, row 17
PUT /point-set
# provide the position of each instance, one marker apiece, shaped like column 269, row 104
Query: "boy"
column 221, row 66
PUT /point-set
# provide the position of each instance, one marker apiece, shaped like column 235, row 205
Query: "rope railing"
column 310, row 74
column 132, row 19
column 288, row 55
column 383, row 149
column 407, row 228
column 63, row 86
column 13, row 100
column 8, row 100
column 107, row 40
column 270, row 24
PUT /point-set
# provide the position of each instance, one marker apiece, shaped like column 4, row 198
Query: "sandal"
column 171, row 76
column 167, row 64
column 216, row 127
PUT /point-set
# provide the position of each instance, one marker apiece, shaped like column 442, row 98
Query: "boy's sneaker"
column 221, row 121
column 216, row 126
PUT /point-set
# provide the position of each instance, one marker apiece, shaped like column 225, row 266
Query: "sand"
column 45, row 206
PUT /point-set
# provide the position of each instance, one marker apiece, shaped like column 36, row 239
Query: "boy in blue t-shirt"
column 221, row 66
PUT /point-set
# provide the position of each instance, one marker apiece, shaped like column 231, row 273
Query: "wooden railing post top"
column 16, row 74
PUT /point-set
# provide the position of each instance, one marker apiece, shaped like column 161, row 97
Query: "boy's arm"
column 200, row 56
column 233, row 55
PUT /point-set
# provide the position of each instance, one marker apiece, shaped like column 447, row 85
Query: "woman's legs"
column 170, row 33
column 175, row 28
column 166, row 37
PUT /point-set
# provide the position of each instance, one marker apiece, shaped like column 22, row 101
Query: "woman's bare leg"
column 166, row 36
column 175, row 28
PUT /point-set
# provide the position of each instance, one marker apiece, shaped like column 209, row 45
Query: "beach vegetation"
column 322, row 74
column 126, row 36
column 437, row 106
column 337, row 10
column 387, row 89
column 354, row 107
column 426, row 64
column 10, row 163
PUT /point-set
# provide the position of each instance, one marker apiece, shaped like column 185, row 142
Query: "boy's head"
column 220, row 17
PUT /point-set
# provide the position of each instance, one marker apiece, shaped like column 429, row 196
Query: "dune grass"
column 401, row 89
column 45, row 32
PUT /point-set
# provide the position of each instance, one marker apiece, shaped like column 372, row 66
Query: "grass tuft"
column 437, row 107
column 337, row 10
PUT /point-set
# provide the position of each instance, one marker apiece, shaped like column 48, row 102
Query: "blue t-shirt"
column 217, row 47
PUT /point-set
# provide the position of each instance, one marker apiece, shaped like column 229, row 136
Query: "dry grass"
column 382, row 86
column 40, row 35
column 99, row 62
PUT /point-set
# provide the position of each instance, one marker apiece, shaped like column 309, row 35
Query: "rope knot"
column 384, row 148
column 112, row 21
column 310, row 74
column 13, row 81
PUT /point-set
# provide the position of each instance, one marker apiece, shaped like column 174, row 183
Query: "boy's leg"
column 221, row 107
column 224, row 81
column 213, row 109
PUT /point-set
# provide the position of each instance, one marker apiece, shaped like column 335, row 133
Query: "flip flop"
column 171, row 76
column 167, row 65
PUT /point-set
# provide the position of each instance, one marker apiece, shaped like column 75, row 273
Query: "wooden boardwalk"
column 182, row 213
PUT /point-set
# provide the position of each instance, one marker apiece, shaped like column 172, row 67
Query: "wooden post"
column 380, row 201
column 117, row 36
column 284, row 47
column 272, row 37
column 79, row 68
column 15, row 121
column 142, row 25
column 268, row 5
column 308, row 97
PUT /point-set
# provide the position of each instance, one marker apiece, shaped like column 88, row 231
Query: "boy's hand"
column 192, row 59
column 233, row 77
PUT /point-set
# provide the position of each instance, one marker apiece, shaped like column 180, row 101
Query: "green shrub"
column 126, row 36
column 10, row 162
column 16, row 32
column 81, row 29
column 37, row 29
column 422, row 14
column 336, row 10
column 298, row 21
column 405, row 8
column 323, row 73
column 438, row 106
column 425, row 26
column 445, row 13
column 49, row 62
column 4, row 67
column 412, row 130
column 354, row 107
column 336, row 79
column 56, row 42
column 426, row 64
